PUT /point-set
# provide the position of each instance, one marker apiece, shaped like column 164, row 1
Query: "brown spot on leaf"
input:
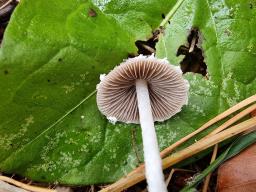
column 251, row 5
column 92, row 13
column 6, row 72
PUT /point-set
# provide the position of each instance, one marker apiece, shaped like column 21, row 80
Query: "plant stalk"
column 153, row 163
column 171, row 13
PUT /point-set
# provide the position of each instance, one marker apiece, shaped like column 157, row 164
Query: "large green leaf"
column 50, row 61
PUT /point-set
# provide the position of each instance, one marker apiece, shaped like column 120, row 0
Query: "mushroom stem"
column 153, row 163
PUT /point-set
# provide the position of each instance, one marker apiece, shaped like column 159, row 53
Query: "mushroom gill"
column 167, row 89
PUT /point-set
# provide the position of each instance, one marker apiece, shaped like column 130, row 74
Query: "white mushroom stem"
column 153, row 163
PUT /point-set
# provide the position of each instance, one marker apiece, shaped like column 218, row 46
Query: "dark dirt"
column 92, row 13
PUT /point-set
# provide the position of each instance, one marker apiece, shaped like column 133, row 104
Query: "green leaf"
column 236, row 147
column 229, row 50
column 50, row 62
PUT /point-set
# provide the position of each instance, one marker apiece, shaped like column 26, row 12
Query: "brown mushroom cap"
column 168, row 91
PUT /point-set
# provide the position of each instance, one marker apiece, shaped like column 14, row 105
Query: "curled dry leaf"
column 238, row 174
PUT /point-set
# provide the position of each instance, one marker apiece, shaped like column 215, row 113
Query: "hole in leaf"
column 5, row 14
column 148, row 47
column 193, row 60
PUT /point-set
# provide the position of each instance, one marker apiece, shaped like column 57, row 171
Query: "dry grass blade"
column 139, row 175
column 135, row 174
column 170, row 177
column 210, row 141
column 234, row 119
column 222, row 127
column 25, row 186
column 213, row 138
column 207, row 179
column 219, row 117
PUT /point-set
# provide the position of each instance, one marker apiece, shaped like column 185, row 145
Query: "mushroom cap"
column 168, row 91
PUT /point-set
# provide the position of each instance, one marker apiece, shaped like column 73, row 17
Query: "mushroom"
column 143, row 90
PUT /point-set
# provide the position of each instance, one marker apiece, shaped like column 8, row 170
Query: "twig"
column 172, row 172
column 138, row 175
column 208, row 177
column 92, row 188
column 5, row 4
column 192, row 46
column 169, row 177
column 25, row 186
column 148, row 48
